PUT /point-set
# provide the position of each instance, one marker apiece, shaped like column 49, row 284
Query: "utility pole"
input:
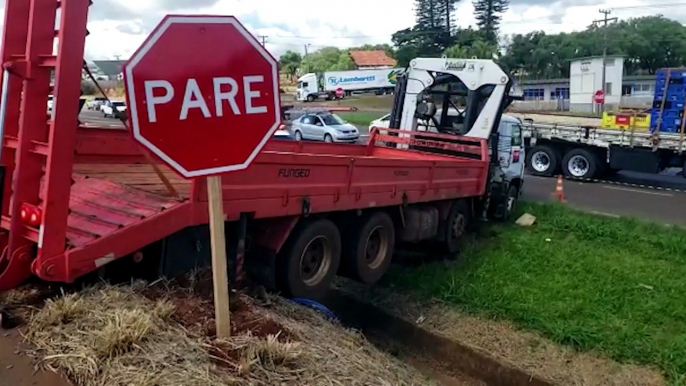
column 605, row 21
column 306, row 47
column 263, row 38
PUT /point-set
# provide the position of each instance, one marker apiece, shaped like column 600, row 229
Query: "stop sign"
column 599, row 96
column 203, row 94
column 339, row 92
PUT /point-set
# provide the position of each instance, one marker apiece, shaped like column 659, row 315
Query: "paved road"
column 667, row 207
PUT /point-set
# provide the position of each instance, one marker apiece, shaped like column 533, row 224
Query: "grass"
column 362, row 118
column 615, row 286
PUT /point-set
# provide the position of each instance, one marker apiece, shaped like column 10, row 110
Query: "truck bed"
column 600, row 137
column 118, row 208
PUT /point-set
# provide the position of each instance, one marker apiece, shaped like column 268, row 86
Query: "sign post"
column 204, row 109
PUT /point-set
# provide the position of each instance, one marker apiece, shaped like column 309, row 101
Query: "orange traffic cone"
column 559, row 190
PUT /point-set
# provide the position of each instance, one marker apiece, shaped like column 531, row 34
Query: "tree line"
column 647, row 43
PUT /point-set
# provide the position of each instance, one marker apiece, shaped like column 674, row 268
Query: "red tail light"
column 515, row 156
column 31, row 215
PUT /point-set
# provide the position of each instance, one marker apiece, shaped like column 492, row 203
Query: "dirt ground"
column 164, row 335
column 526, row 351
column 19, row 370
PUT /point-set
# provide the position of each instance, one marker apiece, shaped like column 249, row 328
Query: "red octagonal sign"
column 203, row 94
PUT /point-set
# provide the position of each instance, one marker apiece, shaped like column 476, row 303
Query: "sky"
column 118, row 27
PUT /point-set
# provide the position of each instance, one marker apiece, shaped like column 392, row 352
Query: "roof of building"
column 371, row 58
column 110, row 67
column 596, row 57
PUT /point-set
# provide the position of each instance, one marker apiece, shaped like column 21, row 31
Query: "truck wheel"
column 455, row 226
column 309, row 260
column 510, row 203
column 580, row 163
column 542, row 161
column 368, row 248
column 310, row 98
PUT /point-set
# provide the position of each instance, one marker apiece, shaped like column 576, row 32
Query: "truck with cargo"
column 595, row 152
column 313, row 86
column 79, row 200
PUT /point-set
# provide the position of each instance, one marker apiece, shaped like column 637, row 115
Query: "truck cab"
column 307, row 88
column 465, row 97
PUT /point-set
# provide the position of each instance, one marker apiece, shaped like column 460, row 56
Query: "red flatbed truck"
column 77, row 199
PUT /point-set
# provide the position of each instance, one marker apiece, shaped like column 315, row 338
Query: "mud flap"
column 260, row 265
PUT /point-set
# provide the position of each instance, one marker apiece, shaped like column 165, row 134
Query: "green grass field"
column 615, row 286
column 362, row 118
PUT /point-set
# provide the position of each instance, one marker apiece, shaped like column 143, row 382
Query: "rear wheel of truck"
column 543, row 161
column 455, row 226
column 580, row 163
column 368, row 248
column 309, row 260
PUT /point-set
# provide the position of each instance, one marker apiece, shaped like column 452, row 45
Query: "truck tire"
column 368, row 248
column 310, row 98
column 455, row 226
column 580, row 163
column 308, row 262
column 543, row 161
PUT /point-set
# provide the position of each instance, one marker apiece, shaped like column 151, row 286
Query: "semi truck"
column 594, row 152
column 79, row 201
column 313, row 86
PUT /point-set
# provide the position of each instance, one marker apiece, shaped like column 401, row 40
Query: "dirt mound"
column 135, row 335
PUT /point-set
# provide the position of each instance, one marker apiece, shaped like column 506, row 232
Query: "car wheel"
column 298, row 135
column 542, row 161
column 580, row 163
column 368, row 248
column 328, row 138
column 309, row 260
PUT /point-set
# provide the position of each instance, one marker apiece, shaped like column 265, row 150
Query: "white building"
column 586, row 78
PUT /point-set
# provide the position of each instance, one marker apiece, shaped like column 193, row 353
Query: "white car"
column 325, row 127
column 95, row 103
column 109, row 107
column 382, row 122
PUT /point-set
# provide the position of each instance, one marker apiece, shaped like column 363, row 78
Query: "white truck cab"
column 466, row 97
column 307, row 88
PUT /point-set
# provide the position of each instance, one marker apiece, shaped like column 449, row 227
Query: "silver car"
column 324, row 127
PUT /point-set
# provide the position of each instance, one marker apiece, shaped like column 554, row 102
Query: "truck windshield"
column 332, row 120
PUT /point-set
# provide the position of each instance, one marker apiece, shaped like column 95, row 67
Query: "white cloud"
column 118, row 27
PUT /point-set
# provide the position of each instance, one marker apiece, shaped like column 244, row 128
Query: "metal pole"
column 605, row 20
column 3, row 107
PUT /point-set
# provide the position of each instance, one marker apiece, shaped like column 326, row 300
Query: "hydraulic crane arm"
column 460, row 96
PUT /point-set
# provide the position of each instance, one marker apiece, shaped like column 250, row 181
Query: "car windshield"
column 332, row 120
column 117, row 104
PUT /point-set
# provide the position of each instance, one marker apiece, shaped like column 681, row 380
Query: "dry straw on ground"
column 115, row 336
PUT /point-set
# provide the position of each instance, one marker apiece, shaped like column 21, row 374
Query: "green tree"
column 290, row 62
column 480, row 50
column 488, row 14
column 327, row 59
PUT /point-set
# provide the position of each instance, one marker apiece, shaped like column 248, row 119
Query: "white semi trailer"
column 312, row 86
